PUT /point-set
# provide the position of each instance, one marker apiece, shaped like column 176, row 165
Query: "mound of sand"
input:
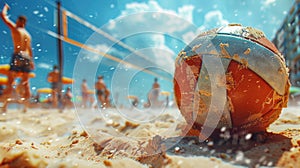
column 114, row 138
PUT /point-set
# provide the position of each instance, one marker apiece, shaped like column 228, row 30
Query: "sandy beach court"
column 94, row 138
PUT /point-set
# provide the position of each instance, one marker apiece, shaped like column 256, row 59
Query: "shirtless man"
column 156, row 87
column 67, row 99
column 84, row 93
column 101, row 92
column 154, row 93
column 21, row 60
column 53, row 78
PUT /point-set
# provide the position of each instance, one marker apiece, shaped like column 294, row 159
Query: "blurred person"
column 155, row 89
column 102, row 92
column 85, row 93
column 153, row 94
column 53, row 78
column 107, row 98
column 22, row 57
column 67, row 99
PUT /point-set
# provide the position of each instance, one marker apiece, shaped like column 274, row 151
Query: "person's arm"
column 85, row 88
column 29, row 49
column 49, row 77
column 5, row 18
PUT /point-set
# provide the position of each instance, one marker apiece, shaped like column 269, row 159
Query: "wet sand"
column 127, row 138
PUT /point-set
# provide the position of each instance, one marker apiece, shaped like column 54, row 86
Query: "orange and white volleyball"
column 231, row 77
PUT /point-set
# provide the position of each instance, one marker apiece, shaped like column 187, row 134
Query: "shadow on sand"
column 251, row 151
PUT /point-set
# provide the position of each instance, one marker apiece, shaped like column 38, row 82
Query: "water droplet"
column 112, row 5
column 210, row 143
column 248, row 136
column 46, row 9
column 112, row 151
column 229, row 151
column 177, row 149
column 110, row 121
column 239, row 156
column 179, row 162
column 247, row 161
column 223, row 129
column 36, row 12
column 191, row 142
column 270, row 164
column 205, row 149
column 266, row 150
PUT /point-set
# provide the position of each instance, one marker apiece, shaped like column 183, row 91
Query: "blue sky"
column 155, row 29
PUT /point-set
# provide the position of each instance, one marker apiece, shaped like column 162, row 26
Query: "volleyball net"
column 66, row 36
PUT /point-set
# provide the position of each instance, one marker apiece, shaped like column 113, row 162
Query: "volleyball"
column 254, row 78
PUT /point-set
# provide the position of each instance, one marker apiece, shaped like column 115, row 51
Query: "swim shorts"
column 100, row 92
column 54, row 85
column 19, row 63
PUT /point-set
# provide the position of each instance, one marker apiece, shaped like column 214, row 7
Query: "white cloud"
column 186, row 12
column 144, row 26
column 96, row 57
column 268, row 2
column 212, row 19
column 44, row 66
column 153, row 47
column 163, row 20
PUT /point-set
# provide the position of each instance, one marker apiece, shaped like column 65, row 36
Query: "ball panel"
column 266, row 43
column 257, row 78
column 251, row 97
column 185, row 79
column 260, row 124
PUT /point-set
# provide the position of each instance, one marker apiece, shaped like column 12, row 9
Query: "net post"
column 60, row 52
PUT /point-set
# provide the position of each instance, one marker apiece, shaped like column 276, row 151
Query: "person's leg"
column 9, row 86
column 54, row 98
column 26, row 87
column 84, row 100
column 102, row 101
column 107, row 102
column 7, row 92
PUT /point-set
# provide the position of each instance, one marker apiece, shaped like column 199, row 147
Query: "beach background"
column 94, row 138
column 130, row 43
